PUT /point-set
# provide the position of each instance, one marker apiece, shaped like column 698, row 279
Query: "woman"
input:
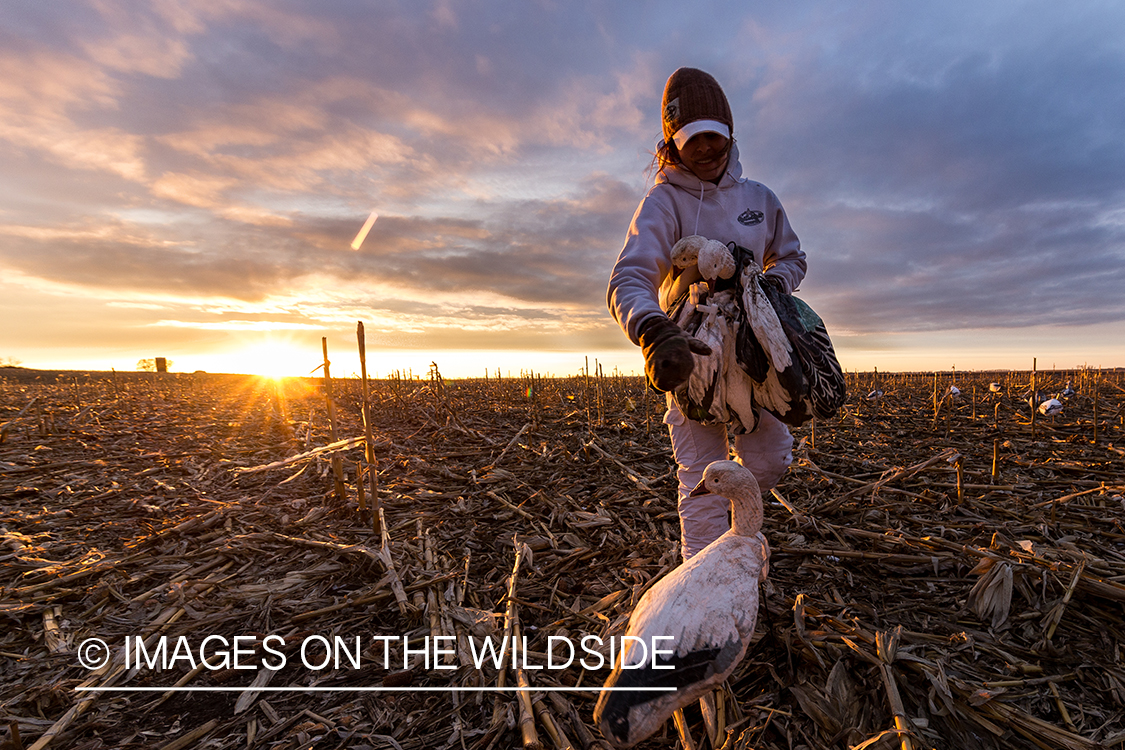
column 699, row 190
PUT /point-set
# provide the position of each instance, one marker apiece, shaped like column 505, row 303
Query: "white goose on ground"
column 995, row 387
column 1068, row 392
column 708, row 605
column 1050, row 407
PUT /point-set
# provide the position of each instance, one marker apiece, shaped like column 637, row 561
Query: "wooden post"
column 1095, row 387
column 337, row 463
column 1034, row 398
column 368, row 441
column 599, row 377
column 960, row 464
column 648, row 407
column 586, row 381
column 935, row 398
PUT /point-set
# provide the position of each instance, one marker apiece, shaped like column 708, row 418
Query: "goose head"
column 736, row 483
column 715, row 261
column 685, row 253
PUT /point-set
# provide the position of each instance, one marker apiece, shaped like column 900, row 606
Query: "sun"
column 272, row 359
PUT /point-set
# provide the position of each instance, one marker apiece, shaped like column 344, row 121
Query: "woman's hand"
column 668, row 353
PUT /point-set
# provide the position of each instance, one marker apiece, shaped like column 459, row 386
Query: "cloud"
column 943, row 180
column 947, row 166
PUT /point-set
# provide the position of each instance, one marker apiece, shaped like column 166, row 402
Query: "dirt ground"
column 948, row 577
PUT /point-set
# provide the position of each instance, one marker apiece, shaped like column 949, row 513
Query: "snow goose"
column 769, row 350
column 708, row 605
column 813, row 382
column 707, row 384
column 685, row 252
column 1050, row 407
column 715, row 261
column 764, row 350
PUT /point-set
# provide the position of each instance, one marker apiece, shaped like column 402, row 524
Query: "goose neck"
column 746, row 512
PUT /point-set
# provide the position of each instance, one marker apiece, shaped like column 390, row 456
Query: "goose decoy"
column 1050, row 407
column 953, row 391
column 1068, row 392
column 709, row 607
column 995, row 387
column 875, row 395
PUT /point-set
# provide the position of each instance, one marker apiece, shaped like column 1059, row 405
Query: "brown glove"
column 668, row 349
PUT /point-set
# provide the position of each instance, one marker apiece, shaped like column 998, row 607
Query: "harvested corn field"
column 946, row 571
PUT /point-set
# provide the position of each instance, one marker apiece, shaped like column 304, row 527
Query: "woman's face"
column 705, row 155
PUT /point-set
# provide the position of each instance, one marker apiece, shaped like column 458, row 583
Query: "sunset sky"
column 184, row 178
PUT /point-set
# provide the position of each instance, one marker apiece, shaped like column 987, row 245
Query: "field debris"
column 945, row 573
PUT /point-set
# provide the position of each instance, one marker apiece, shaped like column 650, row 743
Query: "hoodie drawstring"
column 698, row 210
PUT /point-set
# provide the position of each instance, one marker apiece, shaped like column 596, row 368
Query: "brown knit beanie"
column 692, row 95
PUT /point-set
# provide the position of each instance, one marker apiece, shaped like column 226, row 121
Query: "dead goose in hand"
column 769, row 350
column 709, row 607
column 685, row 252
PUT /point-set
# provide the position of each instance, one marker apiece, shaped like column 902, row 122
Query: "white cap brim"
column 684, row 134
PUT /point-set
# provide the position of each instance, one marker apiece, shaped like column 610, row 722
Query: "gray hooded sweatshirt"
column 644, row 282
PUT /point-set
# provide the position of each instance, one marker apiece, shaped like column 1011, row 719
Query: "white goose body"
column 739, row 387
column 1050, row 407
column 707, row 373
column 709, row 608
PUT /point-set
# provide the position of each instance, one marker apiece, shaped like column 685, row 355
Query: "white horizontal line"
column 368, row 689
